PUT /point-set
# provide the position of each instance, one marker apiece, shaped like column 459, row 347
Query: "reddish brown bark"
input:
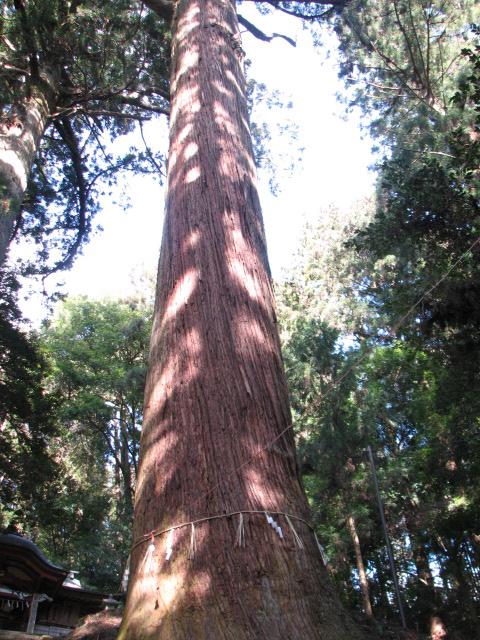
column 216, row 394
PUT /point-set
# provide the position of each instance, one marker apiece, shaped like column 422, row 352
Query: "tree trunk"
column 216, row 436
column 116, row 450
column 20, row 136
column 125, row 461
column 362, row 575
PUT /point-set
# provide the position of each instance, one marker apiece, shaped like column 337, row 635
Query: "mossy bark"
column 216, row 435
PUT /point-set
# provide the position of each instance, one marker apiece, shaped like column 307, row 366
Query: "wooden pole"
column 387, row 538
column 32, row 616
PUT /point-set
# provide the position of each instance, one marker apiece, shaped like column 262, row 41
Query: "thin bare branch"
column 334, row 6
column 255, row 31
column 150, row 154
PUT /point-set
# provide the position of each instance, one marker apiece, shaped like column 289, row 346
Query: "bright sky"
column 333, row 168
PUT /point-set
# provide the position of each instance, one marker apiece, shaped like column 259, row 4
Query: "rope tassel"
column 321, row 549
column 147, row 560
column 193, row 544
column 240, row 537
column 296, row 537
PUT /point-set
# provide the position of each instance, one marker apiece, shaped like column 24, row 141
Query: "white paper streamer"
column 275, row 526
column 148, row 559
column 169, row 550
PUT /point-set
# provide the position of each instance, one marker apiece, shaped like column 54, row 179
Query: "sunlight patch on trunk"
column 180, row 296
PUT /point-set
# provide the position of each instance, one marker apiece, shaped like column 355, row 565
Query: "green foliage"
column 329, row 274
column 26, row 416
column 69, row 457
column 414, row 67
column 279, row 127
column 98, row 353
column 368, row 365
column 380, row 322
column 413, row 70
column 413, row 399
column 402, row 61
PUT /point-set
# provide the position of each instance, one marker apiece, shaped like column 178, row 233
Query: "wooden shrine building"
column 38, row 597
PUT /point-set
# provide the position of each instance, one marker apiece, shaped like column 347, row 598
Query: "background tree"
column 354, row 383
column 402, row 61
column 425, row 228
column 75, row 76
column 27, row 424
column 98, row 355
column 76, row 500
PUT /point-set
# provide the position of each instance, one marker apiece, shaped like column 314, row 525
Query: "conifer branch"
column 67, row 134
column 29, row 38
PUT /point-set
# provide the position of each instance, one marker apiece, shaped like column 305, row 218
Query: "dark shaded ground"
column 105, row 626
column 373, row 632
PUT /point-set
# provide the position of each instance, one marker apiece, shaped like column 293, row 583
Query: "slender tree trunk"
column 216, row 399
column 125, row 461
column 20, row 136
column 134, row 438
column 362, row 575
column 117, row 450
